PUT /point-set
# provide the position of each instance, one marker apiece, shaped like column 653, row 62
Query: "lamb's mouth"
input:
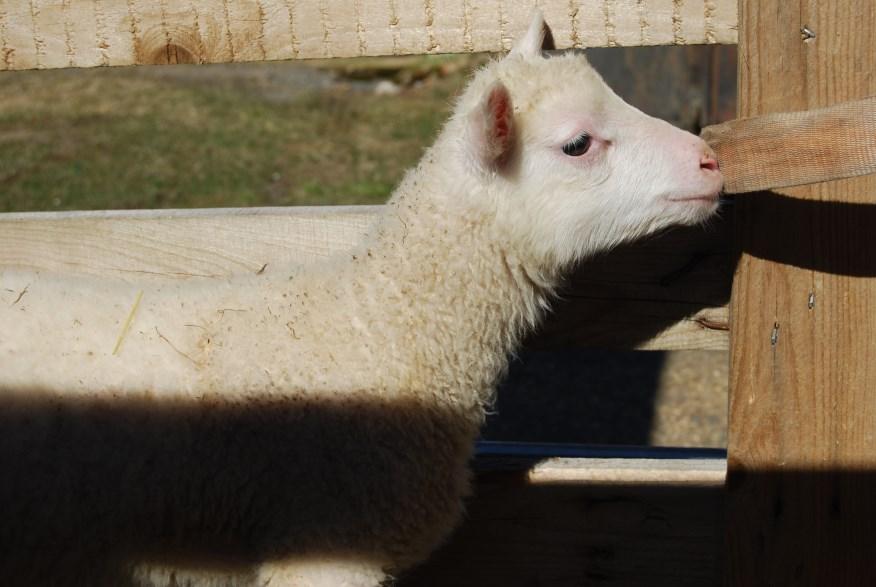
column 711, row 198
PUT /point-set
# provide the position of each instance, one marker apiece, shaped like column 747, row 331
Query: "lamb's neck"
column 466, row 291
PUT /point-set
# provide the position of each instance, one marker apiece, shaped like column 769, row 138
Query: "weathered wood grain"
column 178, row 244
column 802, row 436
column 86, row 33
column 523, row 529
column 788, row 149
column 667, row 293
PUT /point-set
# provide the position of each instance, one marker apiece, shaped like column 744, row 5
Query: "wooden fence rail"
column 668, row 293
column 594, row 519
column 41, row 34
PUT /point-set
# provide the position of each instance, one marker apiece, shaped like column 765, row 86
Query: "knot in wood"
column 163, row 46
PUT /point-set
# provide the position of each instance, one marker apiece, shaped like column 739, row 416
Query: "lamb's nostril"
column 709, row 163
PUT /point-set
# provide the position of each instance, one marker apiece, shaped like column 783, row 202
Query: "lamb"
column 312, row 425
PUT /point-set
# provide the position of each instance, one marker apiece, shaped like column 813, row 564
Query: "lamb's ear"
column 531, row 43
column 491, row 133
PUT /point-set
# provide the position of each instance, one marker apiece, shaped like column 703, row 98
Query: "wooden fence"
column 802, row 331
column 62, row 33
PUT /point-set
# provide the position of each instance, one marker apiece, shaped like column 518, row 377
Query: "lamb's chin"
column 695, row 209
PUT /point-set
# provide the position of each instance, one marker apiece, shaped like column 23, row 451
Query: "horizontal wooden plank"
column 59, row 33
column 629, row 471
column 523, row 529
column 615, row 465
column 178, row 244
column 668, row 293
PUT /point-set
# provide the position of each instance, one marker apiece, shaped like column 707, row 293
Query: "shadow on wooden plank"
column 526, row 535
column 814, row 525
column 809, row 234
column 94, row 485
column 678, row 280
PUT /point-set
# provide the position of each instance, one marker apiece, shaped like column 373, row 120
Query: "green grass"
column 130, row 138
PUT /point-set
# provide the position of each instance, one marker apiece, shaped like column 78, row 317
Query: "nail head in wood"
column 807, row 33
column 774, row 336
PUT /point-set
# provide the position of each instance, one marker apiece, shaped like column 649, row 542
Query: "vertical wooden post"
column 802, row 446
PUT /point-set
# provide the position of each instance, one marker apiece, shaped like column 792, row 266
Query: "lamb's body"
column 428, row 305
column 308, row 425
column 364, row 378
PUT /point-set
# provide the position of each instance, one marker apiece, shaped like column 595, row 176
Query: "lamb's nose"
column 708, row 163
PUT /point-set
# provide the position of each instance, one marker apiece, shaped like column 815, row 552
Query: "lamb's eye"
column 577, row 147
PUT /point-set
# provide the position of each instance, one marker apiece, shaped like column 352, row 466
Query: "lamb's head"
column 571, row 169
